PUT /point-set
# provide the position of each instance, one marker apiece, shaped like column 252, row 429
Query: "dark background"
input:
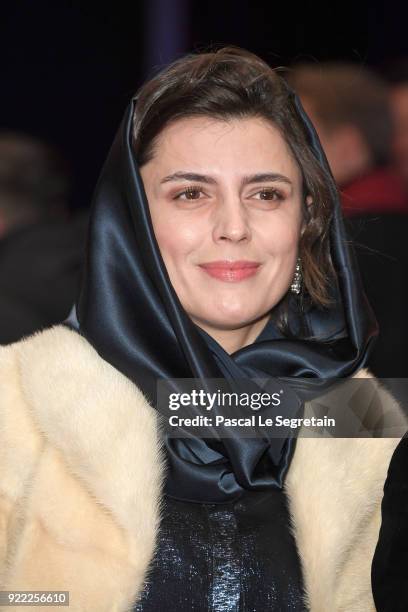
column 68, row 69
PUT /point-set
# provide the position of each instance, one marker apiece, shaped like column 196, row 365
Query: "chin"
column 232, row 320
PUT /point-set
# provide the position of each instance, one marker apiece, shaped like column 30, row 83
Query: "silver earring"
column 297, row 278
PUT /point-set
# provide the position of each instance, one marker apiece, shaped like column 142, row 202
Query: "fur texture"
column 81, row 474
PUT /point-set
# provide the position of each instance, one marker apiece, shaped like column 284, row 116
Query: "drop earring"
column 297, row 278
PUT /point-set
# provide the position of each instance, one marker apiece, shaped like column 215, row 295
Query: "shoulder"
column 67, row 390
column 50, row 343
column 57, row 360
column 356, row 461
column 71, row 399
column 339, row 481
column 44, row 347
column 380, row 405
column 75, row 431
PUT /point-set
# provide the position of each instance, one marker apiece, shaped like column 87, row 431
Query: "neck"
column 232, row 340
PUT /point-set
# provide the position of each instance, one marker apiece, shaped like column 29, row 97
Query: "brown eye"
column 270, row 194
column 191, row 193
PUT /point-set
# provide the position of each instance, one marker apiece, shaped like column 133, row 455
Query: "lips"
column 231, row 271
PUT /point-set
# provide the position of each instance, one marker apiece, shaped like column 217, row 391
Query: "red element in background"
column 381, row 191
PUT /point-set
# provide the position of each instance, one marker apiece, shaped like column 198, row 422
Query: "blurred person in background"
column 40, row 246
column 396, row 74
column 350, row 108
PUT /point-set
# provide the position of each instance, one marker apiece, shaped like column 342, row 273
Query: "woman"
column 216, row 250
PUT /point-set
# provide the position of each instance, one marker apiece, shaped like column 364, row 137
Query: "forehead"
column 249, row 144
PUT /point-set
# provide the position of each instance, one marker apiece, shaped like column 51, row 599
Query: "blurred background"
column 68, row 70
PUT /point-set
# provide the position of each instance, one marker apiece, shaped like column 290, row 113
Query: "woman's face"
column 226, row 205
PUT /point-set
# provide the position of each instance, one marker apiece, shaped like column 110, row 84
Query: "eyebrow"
column 261, row 177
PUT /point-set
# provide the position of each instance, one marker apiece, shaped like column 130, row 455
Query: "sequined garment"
column 233, row 557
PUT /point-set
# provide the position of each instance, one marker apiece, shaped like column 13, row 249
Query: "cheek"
column 281, row 239
column 177, row 240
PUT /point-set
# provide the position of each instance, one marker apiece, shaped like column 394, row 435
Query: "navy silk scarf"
column 129, row 312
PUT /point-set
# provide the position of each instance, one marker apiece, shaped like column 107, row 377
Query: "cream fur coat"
column 81, row 472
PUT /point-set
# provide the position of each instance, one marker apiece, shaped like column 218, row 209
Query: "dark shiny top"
column 238, row 556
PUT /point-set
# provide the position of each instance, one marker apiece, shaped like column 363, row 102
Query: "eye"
column 270, row 194
column 191, row 193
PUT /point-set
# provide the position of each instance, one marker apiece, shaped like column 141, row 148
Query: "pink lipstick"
column 231, row 271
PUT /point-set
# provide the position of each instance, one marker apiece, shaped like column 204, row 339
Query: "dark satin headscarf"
column 129, row 312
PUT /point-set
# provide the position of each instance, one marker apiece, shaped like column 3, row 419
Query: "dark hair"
column 348, row 93
column 233, row 83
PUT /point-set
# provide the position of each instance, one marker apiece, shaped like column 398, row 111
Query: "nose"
column 231, row 221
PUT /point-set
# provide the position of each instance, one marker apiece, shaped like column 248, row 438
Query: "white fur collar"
column 107, row 434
